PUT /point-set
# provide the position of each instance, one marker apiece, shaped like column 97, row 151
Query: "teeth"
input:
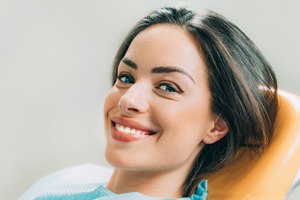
column 128, row 130
column 132, row 131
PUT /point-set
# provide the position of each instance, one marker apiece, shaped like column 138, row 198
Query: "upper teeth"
column 126, row 129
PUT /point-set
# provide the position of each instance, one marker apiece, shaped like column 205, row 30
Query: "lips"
column 126, row 130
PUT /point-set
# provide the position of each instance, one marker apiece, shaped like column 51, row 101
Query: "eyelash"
column 125, row 75
column 168, row 86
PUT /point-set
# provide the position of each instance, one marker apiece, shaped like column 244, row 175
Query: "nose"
column 135, row 100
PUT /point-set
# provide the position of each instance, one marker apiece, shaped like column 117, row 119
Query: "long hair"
column 242, row 84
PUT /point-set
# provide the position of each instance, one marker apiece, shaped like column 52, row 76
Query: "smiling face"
column 158, row 112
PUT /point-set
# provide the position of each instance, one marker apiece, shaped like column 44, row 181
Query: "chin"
column 116, row 159
column 123, row 162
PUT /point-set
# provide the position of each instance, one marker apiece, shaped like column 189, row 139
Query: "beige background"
column 55, row 58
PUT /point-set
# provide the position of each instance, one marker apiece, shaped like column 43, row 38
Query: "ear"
column 218, row 131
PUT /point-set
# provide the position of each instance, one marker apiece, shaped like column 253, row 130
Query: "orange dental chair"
column 270, row 176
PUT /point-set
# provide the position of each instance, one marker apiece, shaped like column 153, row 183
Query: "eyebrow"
column 130, row 63
column 158, row 70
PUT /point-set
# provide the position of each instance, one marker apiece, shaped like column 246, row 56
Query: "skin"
column 173, row 105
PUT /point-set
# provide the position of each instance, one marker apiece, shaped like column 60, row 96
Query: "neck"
column 157, row 184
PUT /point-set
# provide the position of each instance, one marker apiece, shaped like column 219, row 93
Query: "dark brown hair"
column 242, row 83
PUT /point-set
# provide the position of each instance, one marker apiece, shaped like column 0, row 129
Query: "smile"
column 129, row 130
column 123, row 133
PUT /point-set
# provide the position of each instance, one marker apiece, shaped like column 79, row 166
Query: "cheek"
column 184, row 124
column 187, row 115
column 183, row 131
column 111, row 101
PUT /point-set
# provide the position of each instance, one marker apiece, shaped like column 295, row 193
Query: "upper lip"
column 131, row 123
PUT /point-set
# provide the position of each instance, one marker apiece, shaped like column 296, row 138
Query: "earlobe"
column 217, row 132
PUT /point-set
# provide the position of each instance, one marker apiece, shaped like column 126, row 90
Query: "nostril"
column 132, row 105
column 133, row 109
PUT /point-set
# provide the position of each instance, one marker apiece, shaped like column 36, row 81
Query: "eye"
column 169, row 88
column 125, row 78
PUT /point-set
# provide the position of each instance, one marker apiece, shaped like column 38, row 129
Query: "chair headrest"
column 266, row 176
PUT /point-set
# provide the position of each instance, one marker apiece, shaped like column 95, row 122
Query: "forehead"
column 166, row 44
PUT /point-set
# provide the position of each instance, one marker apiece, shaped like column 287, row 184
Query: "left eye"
column 126, row 78
column 168, row 88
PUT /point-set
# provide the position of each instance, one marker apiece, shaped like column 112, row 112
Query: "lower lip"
column 126, row 137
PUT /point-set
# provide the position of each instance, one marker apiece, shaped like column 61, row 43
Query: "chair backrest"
column 270, row 175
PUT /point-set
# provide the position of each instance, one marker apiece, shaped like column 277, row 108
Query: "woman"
column 189, row 89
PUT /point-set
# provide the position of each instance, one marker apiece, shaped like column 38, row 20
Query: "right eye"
column 125, row 78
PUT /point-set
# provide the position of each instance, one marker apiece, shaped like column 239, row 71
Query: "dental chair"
column 250, row 177
column 271, row 175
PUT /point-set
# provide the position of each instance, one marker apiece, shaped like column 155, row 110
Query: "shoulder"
column 82, row 178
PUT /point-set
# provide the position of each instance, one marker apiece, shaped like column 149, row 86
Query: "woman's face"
column 158, row 113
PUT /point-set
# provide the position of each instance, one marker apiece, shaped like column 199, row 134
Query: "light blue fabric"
column 87, row 182
column 102, row 193
column 201, row 191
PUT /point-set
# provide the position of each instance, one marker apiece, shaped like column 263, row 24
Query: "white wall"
column 55, row 59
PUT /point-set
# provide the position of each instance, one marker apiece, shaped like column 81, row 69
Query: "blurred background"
column 55, row 64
